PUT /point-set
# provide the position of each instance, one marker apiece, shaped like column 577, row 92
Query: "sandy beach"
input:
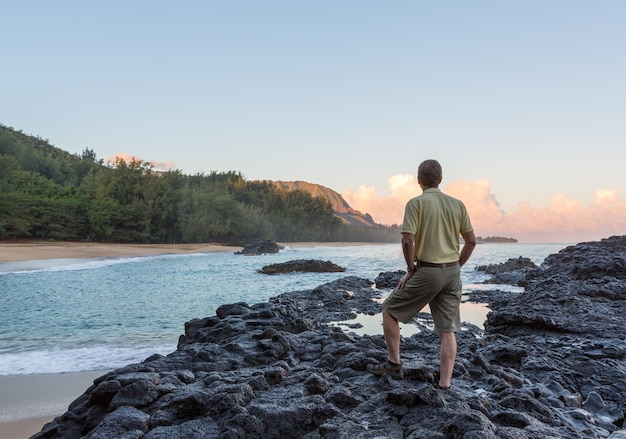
column 28, row 402
column 40, row 250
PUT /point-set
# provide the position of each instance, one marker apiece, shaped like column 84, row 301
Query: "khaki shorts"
column 438, row 287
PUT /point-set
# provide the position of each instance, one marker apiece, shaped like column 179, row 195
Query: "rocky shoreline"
column 550, row 363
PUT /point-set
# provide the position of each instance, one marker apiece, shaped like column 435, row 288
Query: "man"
column 431, row 228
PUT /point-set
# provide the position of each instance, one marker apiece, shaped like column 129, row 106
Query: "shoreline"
column 22, row 251
column 43, row 250
column 28, row 402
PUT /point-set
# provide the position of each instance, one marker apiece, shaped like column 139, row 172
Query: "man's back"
column 436, row 220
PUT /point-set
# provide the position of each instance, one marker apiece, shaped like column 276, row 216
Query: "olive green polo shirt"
column 436, row 220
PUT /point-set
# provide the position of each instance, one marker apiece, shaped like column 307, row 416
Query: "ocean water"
column 70, row 315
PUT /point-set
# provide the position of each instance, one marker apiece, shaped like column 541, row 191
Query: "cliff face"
column 342, row 209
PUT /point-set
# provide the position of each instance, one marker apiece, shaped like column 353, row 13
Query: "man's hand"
column 470, row 242
column 405, row 279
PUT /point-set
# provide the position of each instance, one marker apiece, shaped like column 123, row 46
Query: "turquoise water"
column 69, row 315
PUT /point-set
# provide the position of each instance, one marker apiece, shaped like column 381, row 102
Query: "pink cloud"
column 563, row 220
column 123, row 156
column 385, row 210
column 158, row 166
column 163, row 166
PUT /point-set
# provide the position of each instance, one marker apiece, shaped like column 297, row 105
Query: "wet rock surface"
column 549, row 364
column 302, row 266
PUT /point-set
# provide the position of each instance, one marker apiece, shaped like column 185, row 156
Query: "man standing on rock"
column 431, row 228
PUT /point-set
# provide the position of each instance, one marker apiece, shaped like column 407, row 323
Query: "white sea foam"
column 51, row 265
column 78, row 359
column 75, row 264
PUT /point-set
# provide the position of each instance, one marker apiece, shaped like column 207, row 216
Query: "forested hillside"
column 48, row 193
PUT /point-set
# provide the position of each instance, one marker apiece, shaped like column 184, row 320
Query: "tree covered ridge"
column 48, row 193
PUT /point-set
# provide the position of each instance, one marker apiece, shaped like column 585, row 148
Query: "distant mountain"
column 340, row 207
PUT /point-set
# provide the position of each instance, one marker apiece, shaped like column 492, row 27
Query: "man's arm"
column 408, row 250
column 408, row 246
column 468, row 247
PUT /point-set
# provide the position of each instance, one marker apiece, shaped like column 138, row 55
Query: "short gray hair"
column 429, row 173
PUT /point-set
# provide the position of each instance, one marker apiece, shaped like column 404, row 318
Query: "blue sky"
column 523, row 102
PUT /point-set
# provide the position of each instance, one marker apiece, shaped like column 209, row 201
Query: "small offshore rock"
column 302, row 266
column 260, row 248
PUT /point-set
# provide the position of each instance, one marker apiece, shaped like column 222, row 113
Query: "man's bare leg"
column 447, row 357
column 391, row 329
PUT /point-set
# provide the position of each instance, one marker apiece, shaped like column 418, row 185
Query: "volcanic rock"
column 302, row 265
column 512, row 272
column 259, row 248
column 551, row 363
